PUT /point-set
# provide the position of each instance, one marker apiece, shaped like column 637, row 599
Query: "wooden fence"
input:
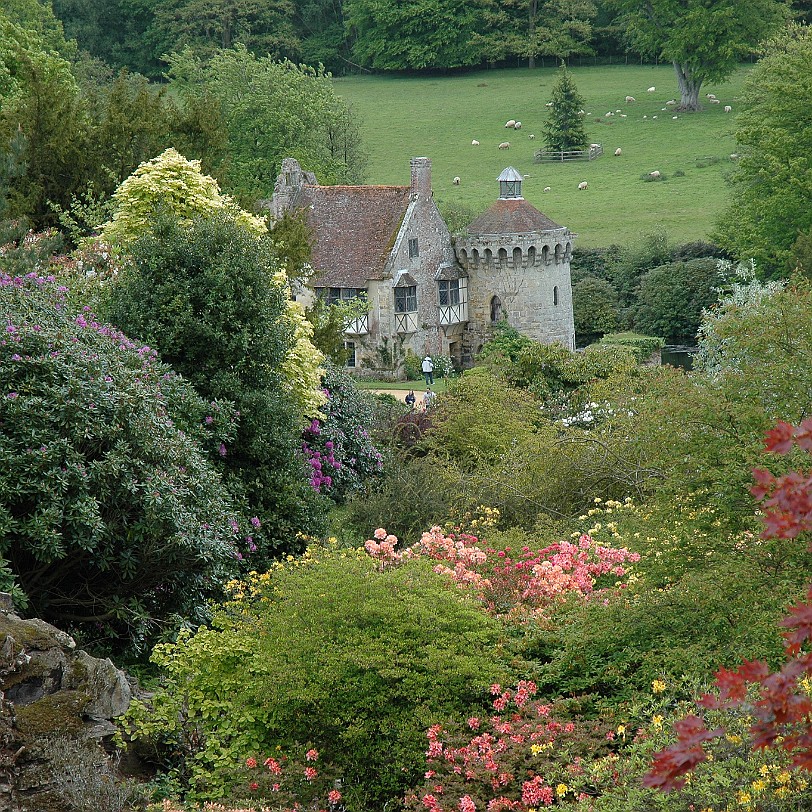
column 594, row 151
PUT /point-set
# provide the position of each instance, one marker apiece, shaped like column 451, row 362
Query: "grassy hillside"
column 440, row 116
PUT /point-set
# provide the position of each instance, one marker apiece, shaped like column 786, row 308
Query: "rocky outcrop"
column 53, row 699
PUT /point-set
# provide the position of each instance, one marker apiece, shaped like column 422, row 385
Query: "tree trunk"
column 531, row 31
column 688, row 88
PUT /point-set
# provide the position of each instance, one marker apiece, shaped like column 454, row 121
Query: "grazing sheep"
column 517, row 125
column 475, row 143
column 654, row 116
column 583, row 185
column 618, row 151
column 610, row 113
column 510, row 124
column 734, row 156
column 728, row 108
column 710, row 95
column 651, row 90
column 456, row 180
column 549, row 104
column 505, row 145
column 630, row 99
column 671, row 102
column 674, row 118
column 546, row 189
column 531, row 137
column 714, row 101
column 655, row 174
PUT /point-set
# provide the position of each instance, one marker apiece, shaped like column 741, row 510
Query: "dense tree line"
column 348, row 35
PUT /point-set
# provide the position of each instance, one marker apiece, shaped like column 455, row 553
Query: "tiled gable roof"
column 512, row 216
column 354, row 228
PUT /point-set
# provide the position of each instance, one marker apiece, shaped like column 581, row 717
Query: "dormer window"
column 413, row 249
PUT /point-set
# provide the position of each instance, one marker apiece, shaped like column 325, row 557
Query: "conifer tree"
column 564, row 129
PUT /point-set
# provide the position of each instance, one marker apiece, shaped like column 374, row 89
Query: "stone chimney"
column 421, row 177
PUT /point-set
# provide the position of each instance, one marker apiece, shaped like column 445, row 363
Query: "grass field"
column 439, row 117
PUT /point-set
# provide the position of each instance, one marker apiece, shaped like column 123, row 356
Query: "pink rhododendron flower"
column 250, row 762
column 312, row 754
column 311, row 773
column 333, row 796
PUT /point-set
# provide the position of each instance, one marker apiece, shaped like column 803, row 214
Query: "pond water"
column 679, row 355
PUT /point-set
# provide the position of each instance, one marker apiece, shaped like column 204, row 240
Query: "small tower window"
column 555, row 295
column 496, row 309
column 413, row 248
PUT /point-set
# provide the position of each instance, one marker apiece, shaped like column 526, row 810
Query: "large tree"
column 265, row 28
column 272, row 110
column 771, row 214
column 703, row 40
column 416, row 34
column 43, row 125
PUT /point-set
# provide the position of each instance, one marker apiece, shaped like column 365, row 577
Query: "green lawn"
column 439, row 117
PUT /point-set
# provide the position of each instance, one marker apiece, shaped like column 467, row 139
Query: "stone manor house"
column 429, row 292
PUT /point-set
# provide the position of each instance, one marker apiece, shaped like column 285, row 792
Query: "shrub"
column 642, row 346
column 595, row 306
column 112, row 515
column 671, row 299
column 205, row 295
column 328, row 651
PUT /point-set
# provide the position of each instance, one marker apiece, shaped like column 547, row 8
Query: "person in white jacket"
column 428, row 370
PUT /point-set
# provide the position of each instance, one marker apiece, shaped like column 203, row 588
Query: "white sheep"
column 630, row 99
column 714, row 101
column 532, row 137
column 610, row 113
column 510, row 124
column 728, row 108
column 651, row 89
column 517, row 125
column 710, row 95
column 456, row 180
column 655, row 174
column 674, row 118
column 549, row 104
column 505, row 145
column 546, row 189
column 475, row 143
column 654, row 116
column 583, row 185
column 671, row 102
column 618, row 152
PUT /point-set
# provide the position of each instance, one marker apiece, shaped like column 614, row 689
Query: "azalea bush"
column 519, row 585
column 523, row 755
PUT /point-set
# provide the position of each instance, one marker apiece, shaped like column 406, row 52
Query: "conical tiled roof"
column 512, row 216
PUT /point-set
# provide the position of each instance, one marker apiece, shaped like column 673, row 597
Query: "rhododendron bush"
column 111, row 511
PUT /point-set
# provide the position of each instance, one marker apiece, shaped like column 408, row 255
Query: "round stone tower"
column 518, row 264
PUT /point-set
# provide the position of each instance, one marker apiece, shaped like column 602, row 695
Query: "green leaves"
column 111, row 510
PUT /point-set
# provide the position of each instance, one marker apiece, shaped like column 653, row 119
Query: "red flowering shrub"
column 520, row 758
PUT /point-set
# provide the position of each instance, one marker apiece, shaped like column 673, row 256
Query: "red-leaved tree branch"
column 782, row 711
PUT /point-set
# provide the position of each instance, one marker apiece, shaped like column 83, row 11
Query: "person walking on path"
column 428, row 370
